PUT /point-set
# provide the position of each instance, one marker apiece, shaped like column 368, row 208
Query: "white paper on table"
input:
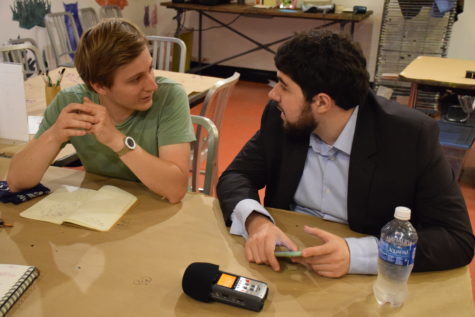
column 13, row 114
column 34, row 124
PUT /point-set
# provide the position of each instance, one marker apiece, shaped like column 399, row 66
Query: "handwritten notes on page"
column 98, row 210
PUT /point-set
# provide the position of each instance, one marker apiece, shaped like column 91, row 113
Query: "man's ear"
column 100, row 89
column 322, row 103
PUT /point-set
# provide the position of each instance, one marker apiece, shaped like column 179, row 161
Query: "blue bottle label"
column 399, row 255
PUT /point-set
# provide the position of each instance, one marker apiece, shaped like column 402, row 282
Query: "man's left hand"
column 104, row 129
column 331, row 259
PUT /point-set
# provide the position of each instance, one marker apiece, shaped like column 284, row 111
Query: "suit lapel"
column 362, row 165
column 294, row 155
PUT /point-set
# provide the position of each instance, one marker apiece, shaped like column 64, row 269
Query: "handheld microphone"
column 205, row 282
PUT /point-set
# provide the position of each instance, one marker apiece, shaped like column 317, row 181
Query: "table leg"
column 342, row 27
column 412, row 95
column 352, row 28
column 200, row 37
column 179, row 19
column 200, row 68
column 262, row 46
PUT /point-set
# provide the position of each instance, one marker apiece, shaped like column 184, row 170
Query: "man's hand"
column 331, row 259
column 87, row 118
column 104, row 128
column 263, row 237
column 74, row 120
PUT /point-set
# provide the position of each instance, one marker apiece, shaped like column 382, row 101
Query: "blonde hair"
column 105, row 47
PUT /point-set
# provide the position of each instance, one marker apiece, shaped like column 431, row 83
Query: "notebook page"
column 59, row 205
column 103, row 209
column 9, row 276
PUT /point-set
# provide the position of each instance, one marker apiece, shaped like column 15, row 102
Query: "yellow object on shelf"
column 187, row 37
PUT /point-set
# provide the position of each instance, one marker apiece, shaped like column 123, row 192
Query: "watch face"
column 130, row 143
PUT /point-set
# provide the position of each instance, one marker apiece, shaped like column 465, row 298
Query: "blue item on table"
column 6, row 196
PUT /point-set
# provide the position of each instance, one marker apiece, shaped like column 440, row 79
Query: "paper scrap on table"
column 34, row 124
column 13, row 114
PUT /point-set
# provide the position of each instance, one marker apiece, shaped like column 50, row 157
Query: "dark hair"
column 105, row 47
column 325, row 62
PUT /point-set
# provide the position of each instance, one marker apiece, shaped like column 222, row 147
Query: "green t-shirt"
column 166, row 122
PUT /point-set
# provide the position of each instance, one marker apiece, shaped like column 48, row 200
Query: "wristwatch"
column 129, row 145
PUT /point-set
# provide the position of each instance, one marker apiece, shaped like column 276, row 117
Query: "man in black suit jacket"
column 394, row 159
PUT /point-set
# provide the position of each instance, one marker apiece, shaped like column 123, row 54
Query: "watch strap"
column 127, row 147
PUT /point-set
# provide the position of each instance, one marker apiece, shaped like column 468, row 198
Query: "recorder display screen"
column 226, row 280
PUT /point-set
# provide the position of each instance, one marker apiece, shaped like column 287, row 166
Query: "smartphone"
column 287, row 254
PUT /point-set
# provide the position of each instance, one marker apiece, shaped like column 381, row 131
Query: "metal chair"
column 163, row 52
column 64, row 37
column 21, row 54
column 110, row 11
column 22, row 40
column 204, row 168
column 213, row 107
column 211, row 140
column 88, row 18
column 217, row 98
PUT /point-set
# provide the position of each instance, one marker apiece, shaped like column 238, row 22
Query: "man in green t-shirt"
column 123, row 122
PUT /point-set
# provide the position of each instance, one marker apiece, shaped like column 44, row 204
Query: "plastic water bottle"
column 397, row 248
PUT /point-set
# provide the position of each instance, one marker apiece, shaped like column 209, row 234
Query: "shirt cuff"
column 363, row 255
column 240, row 213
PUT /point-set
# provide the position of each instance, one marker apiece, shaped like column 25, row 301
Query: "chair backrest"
column 217, row 98
column 22, row 40
column 88, row 18
column 213, row 108
column 41, row 64
column 64, row 37
column 163, row 49
column 209, row 139
column 110, row 11
column 19, row 53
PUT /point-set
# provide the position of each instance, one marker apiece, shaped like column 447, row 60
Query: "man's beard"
column 304, row 125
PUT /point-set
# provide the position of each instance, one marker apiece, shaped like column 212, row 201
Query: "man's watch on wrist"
column 129, row 145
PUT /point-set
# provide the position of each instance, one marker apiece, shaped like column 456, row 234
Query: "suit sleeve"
column 440, row 215
column 244, row 176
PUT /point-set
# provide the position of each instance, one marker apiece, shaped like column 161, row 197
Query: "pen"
column 43, row 76
column 49, row 79
column 61, row 73
column 3, row 224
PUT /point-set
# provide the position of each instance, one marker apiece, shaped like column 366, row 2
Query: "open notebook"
column 14, row 280
column 94, row 209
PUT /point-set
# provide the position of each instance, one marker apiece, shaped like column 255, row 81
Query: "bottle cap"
column 402, row 213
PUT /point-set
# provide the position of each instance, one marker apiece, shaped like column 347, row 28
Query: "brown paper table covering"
column 135, row 269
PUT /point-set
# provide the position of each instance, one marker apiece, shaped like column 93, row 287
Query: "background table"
column 135, row 269
column 250, row 11
column 196, row 86
column 438, row 72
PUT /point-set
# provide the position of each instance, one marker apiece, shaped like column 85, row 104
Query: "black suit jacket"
column 396, row 160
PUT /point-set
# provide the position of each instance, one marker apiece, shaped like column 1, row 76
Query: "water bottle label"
column 399, row 255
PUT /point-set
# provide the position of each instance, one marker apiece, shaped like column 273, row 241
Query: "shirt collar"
column 344, row 141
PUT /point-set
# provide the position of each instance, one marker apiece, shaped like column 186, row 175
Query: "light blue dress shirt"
column 323, row 192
